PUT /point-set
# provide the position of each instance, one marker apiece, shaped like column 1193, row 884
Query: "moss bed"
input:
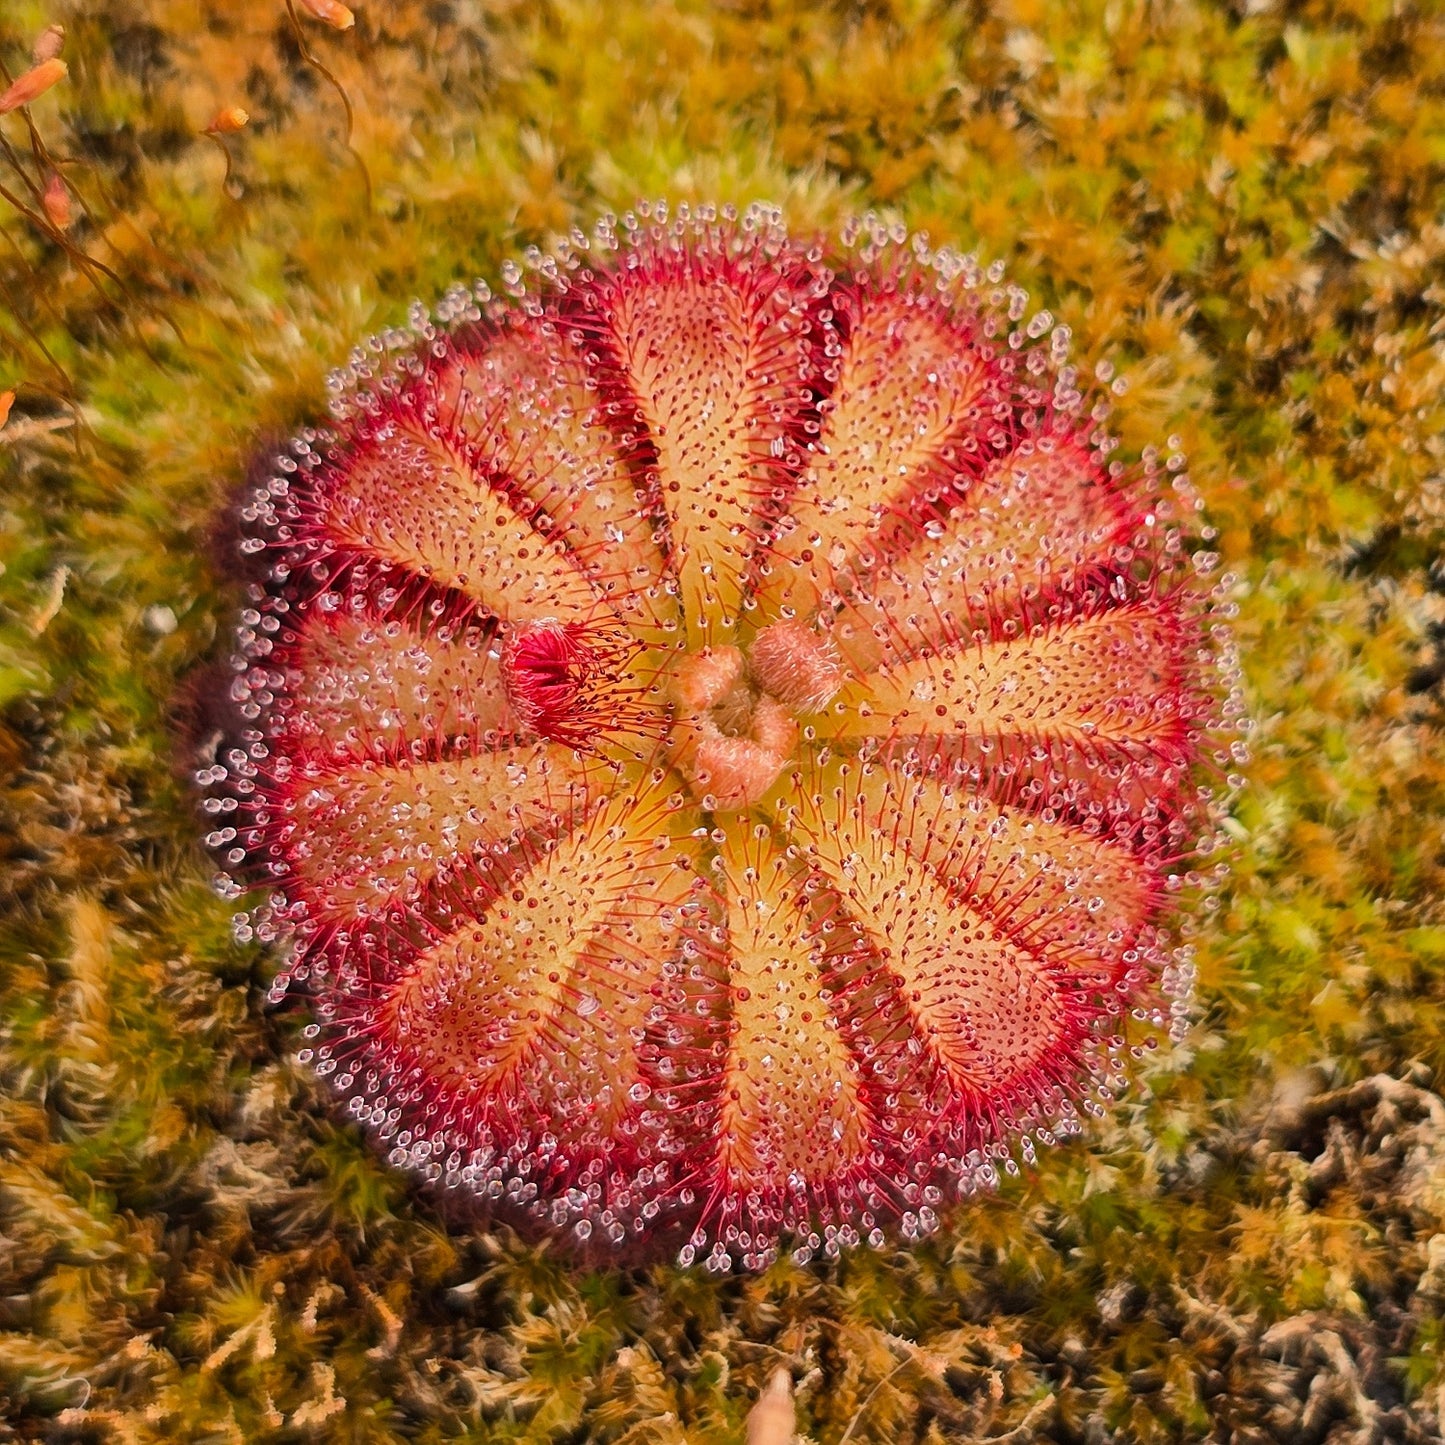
column 1238, row 205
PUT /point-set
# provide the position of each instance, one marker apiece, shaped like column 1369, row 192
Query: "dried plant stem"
column 36, row 339
column 81, row 257
column 868, row 1400
column 225, row 151
column 45, row 162
column 314, row 61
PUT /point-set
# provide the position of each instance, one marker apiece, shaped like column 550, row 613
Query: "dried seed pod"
column 720, row 729
column 329, row 12
column 228, row 120
column 56, row 201
column 33, row 84
column 48, row 44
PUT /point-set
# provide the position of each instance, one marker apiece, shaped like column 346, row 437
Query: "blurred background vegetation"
column 1239, row 205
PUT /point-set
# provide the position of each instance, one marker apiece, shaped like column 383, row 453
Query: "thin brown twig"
column 87, row 263
column 225, row 151
column 868, row 1400
column 13, row 156
column 37, row 143
column 44, row 162
column 82, row 258
column 40, row 293
column 39, row 341
column 311, row 58
column 173, row 263
column 43, row 159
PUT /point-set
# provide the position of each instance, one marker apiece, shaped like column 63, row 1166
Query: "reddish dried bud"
column 329, row 12
column 56, row 201
column 228, row 120
column 33, row 84
column 7, row 400
column 721, row 731
column 48, row 43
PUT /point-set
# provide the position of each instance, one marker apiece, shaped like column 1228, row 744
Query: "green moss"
column 1238, row 205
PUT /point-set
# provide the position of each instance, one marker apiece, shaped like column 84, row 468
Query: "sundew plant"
column 730, row 760
column 720, row 728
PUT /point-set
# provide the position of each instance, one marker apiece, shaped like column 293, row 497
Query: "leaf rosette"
column 720, row 729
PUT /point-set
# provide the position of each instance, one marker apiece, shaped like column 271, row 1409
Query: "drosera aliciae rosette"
column 722, row 733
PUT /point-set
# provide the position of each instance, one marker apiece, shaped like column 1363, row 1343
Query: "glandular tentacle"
column 1109, row 678
column 358, row 837
column 911, row 386
column 1042, row 528
column 455, row 524
column 713, row 348
column 986, row 1006
column 795, row 1118
column 526, row 400
column 366, row 684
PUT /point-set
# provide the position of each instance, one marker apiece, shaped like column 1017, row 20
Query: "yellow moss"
column 1239, row 209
